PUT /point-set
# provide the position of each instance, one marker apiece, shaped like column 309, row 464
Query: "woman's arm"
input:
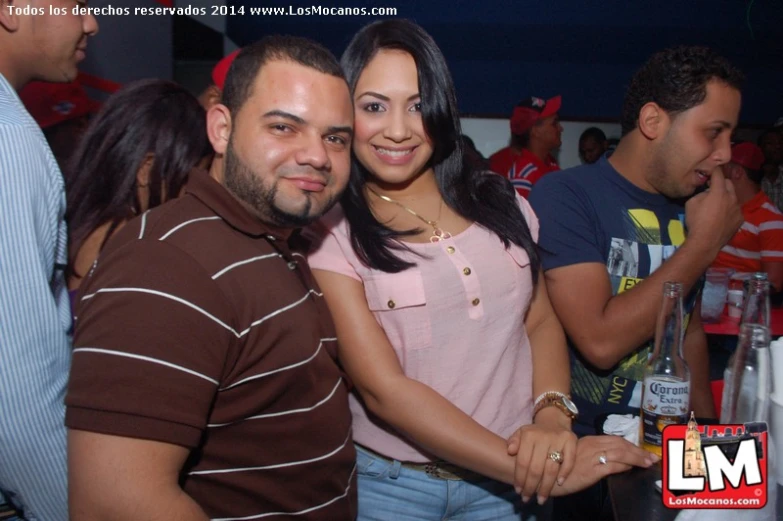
column 551, row 429
column 414, row 409
column 551, row 367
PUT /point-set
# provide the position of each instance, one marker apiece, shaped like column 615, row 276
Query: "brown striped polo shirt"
column 200, row 326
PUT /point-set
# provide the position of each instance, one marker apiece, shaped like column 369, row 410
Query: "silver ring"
column 602, row 459
column 556, row 456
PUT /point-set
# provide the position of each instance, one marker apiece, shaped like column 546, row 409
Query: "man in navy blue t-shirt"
column 613, row 232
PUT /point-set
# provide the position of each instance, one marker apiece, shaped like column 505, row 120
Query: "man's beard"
column 248, row 187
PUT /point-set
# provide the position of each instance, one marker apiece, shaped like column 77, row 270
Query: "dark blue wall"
column 500, row 51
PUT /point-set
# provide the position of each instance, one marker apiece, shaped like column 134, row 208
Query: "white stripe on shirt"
column 280, row 369
column 143, row 224
column 281, row 310
column 181, row 225
column 164, row 295
column 298, row 513
column 276, row 465
column 202, row 310
column 749, row 228
column 145, row 359
column 745, row 254
column 240, row 263
column 772, row 208
column 771, row 225
column 284, row 413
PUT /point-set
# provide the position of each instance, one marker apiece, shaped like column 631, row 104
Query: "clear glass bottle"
column 667, row 379
column 751, row 378
column 755, row 310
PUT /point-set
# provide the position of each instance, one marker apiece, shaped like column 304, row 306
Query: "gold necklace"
column 438, row 234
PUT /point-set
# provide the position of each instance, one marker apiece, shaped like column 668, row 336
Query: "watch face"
column 570, row 406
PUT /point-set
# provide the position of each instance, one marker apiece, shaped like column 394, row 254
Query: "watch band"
column 553, row 399
column 549, row 394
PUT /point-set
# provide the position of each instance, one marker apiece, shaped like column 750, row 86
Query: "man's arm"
column 607, row 328
column 34, row 345
column 116, row 479
column 145, row 372
column 697, row 357
column 771, row 241
column 774, row 271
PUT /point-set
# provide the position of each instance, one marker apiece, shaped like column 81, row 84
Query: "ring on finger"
column 602, row 459
column 556, row 456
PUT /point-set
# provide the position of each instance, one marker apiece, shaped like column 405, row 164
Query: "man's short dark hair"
column 248, row 63
column 768, row 132
column 594, row 133
column 676, row 79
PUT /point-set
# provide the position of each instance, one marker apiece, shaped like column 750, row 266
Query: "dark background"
column 500, row 51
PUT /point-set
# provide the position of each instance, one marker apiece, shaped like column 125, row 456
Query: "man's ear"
column 8, row 20
column 219, row 127
column 534, row 130
column 734, row 171
column 653, row 120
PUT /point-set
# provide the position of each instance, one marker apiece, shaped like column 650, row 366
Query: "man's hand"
column 714, row 216
column 620, row 455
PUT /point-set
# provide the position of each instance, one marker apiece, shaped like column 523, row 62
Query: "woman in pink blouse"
column 444, row 324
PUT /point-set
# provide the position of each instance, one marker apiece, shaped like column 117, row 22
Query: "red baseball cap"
column 532, row 109
column 220, row 71
column 53, row 103
column 748, row 155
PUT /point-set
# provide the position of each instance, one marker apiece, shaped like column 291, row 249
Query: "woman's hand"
column 535, row 471
column 618, row 454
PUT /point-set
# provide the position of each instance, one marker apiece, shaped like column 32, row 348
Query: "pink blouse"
column 456, row 322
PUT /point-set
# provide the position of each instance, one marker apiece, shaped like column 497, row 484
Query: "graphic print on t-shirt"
column 644, row 247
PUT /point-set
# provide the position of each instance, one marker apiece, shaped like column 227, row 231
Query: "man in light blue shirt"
column 39, row 40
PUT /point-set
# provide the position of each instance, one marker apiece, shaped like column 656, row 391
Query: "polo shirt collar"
column 758, row 200
column 218, row 199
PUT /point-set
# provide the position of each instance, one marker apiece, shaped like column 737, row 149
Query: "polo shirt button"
column 271, row 237
column 476, row 302
column 292, row 265
column 391, row 304
column 466, row 271
column 450, row 249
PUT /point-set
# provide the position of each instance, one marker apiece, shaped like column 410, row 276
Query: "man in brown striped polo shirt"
column 204, row 380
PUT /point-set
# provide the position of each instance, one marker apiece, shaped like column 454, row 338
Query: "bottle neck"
column 669, row 333
column 756, row 308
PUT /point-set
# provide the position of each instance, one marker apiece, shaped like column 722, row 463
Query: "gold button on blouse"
column 391, row 304
column 476, row 301
column 466, row 271
column 450, row 249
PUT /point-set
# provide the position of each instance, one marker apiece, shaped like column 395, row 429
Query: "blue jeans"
column 389, row 491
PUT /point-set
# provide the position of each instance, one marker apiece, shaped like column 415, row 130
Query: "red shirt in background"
column 523, row 169
column 760, row 239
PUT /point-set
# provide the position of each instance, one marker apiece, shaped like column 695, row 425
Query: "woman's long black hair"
column 145, row 118
column 483, row 197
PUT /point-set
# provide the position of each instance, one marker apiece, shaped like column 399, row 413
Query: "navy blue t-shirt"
column 593, row 214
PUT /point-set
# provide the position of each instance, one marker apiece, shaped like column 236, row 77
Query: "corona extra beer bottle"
column 666, row 389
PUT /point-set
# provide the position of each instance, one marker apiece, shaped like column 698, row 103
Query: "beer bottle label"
column 664, row 402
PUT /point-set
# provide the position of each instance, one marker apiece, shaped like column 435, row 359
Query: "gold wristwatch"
column 556, row 399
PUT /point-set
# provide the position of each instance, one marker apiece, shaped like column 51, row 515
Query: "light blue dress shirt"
column 35, row 317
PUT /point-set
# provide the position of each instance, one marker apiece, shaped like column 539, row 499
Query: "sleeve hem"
column 132, row 426
column 325, row 262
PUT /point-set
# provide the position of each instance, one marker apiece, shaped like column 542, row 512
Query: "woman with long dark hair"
column 136, row 154
column 432, row 277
